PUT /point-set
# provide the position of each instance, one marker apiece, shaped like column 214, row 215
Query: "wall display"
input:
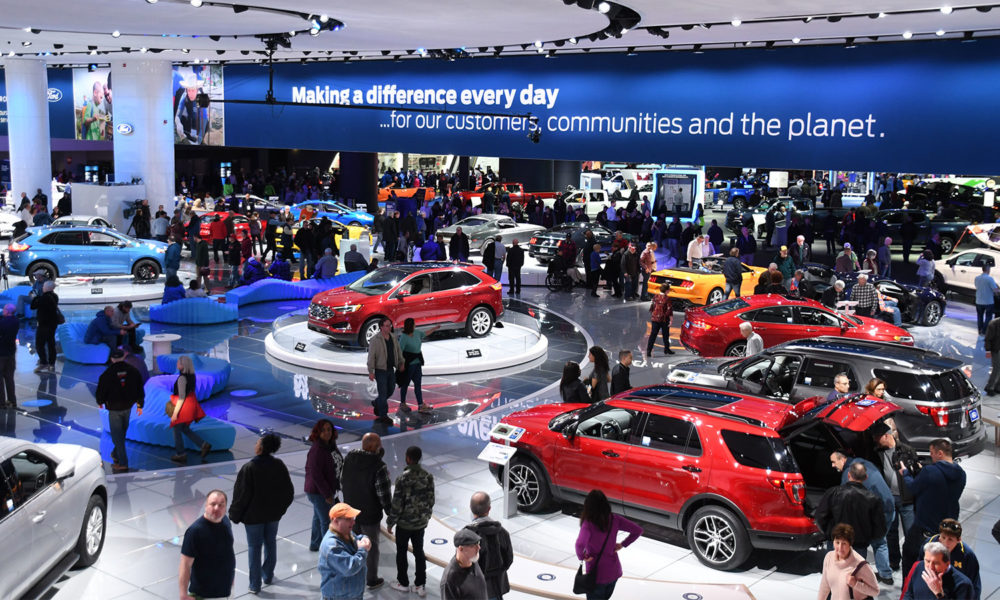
column 767, row 108
column 194, row 125
column 60, row 97
column 93, row 105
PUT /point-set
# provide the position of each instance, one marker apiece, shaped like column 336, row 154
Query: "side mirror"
column 569, row 431
column 403, row 294
column 65, row 470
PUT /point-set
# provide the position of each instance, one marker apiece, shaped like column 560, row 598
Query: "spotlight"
column 185, row 50
column 385, row 53
column 551, row 54
column 834, row 19
column 939, row 32
column 151, row 1
column 27, row 30
column 849, row 43
column 603, row 8
column 630, row 51
column 324, row 18
column 946, row 10
column 25, row 43
column 967, row 36
column 907, row 35
column 873, row 15
column 687, row 27
column 239, row 8
column 696, row 47
column 219, row 52
column 736, row 22
column 484, row 49
column 92, row 53
column 314, row 31
column 535, row 136
column 984, row 9
column 116, row 33
column 215, row 38
column 572, row 40
column 882, row 15
column 11, row 53
column 196, row 3
column 91, row 67
column 498, row 49
column 143, row 50
column 57, row 46
column 807, row 20
column 796, row 40
column 422, row 51
column 769, row 45
column 91, row 47
column 538, row 44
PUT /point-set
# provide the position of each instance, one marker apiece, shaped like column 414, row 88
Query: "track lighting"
column 604, row 8
column 946, row 10
column 907, row 34
column 196, row 3
column 116, row 33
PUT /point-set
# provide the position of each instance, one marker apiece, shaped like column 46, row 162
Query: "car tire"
column 740, row 203
column 718, row 538
column 947, row 244
column 368, row 331
column 737, row 348
column 354, row 224
column 932, row 314
column 529, row 485
column 46, row 267
column 92, row 532
column 146, row 270
column 479, row 323
column 715, row 296
column 939, row 283
column 976, row 215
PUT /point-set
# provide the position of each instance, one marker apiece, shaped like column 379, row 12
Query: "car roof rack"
column 698, row 400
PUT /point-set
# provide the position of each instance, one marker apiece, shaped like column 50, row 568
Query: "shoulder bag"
column 586, row 582
column 854, row 573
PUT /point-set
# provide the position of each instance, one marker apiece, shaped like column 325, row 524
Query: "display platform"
column 504, row 347
column 99, row 290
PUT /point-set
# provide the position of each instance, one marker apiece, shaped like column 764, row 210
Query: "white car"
column 960, row 269
column 82, row 221
column 53, row 513
column 7, row 221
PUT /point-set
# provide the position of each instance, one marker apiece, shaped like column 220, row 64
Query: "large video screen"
column 194, row 125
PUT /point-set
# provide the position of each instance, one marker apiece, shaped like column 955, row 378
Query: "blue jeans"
column 984, row 314
column 602, row 591
column 897, row 319
column 881, row 549
column 384, row 379
column 186, row 430
column 732, row 288
column 497, row 269
column 320, row 521
column 234, row 275
column 262, row 534
column 118, row 425
column 414, row 373
column 904, row 515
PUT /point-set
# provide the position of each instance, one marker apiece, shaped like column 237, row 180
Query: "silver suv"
column 936, row 396
column 53, row 513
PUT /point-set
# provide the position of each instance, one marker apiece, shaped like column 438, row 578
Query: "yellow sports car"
column 352, row 232
column 701, row 285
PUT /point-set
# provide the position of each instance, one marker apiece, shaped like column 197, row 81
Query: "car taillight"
column 687, row 284
column 17, row 247
column 700, row 325
column 497, row 286
column 795, row 489
column 533, row 240
column 938, row 414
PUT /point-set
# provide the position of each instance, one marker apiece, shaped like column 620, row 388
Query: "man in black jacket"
column 890, row 453
column 46, row 307
column 305, row 241
column 515, row 260
column 9, row 326
column 262, row 494
column 365, row 480
column 390, row 238
column 732, row 272
column 118, row 388
column 852, row 503
column 834, row 294
column 620, row 373
column 496, row 554
column 458, row 247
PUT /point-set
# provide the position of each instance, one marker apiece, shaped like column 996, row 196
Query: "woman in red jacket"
column 186, row 410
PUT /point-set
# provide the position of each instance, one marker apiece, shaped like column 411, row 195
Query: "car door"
column 664, row 466
column 919, row 219
column 37, row 494
column 106, row 253
column 414, row 299
column 816, row 321
column 963, row 270
column 454, row 294
column 18, row 565
column 776, row 324
column 594, row 458
column 68, row 251
column 816, row 378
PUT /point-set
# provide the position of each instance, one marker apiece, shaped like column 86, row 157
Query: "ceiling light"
column 882, row 15
column 849, row 43
column 834, row 19
column 907, row 35
column 796, row 40
column 143, row 50
column 603, row 8
column 736, row 22
column 93, row 52
column 807, row 20
column 551, row 54
column 25, row 43
column 196, row 3
column 324, row 18
column 967, row 36
column 572, row 40
column 624, row 30
column 630, row 51
column 292, row 32
column 538, row 44
column 151, row 1
column 313, row 31
column 540, row 50
column 116, row 33
column 984, row 9
column 696, row 47
column 215, row 38
column 422, row 51
column 27, row 29
column 11, row 53
column 185, row 50
column 946, row 10
column 939, row 32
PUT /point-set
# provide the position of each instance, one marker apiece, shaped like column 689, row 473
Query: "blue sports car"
column 76, row 250
column 334, row 211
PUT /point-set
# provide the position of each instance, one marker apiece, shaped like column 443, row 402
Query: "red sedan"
column 241, row 223
column 452, row 296
column 715, row 330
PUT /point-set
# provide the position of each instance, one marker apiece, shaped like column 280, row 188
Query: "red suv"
column 453, row 296
column 732, row 471
column 715, row 330
column 241, row 224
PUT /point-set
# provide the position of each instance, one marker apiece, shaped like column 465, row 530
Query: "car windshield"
column 726, row 307
column 378, row 282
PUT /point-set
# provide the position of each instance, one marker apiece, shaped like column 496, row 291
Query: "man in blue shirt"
column 935, row 577
column 962, row 556
column 986, row 290
column 594, row 275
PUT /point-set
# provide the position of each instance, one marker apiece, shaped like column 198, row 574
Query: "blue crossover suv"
column 335, row 211
column 78, row 250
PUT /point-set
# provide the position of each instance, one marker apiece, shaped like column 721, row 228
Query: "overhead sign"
column 741, row 107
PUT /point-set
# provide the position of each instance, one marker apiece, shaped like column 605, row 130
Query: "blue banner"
column 918, row 107
column 60, row 94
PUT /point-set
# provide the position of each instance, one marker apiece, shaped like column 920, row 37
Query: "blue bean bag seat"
column 70, row 337
column 12, row 295
column 193, row 311
column 270, row 290
column 213, row 373
column 153, row 427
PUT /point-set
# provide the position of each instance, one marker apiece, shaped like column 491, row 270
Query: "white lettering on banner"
column 393, row 95
column 318, row 95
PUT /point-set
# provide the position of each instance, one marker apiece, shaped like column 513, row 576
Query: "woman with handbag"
column 184, row 409
column 410, row 342
column 846, row 574
column 597, row 547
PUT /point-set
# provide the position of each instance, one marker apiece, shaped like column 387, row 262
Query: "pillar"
column 566, row 173
column 143, row 98
column 462, row 172
column 536, row 175
column 359, row 179
column 28, row 126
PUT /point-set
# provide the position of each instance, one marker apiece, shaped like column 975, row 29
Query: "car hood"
column 76, row 454
column 538, row 417
column 341, row 297
column 703, row 371
column 153, row 244
column 876, row 329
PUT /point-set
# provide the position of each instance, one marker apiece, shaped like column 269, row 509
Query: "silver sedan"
column 482, row 229
column 53, row 513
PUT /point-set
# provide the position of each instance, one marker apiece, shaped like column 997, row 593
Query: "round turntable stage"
column 508, row 345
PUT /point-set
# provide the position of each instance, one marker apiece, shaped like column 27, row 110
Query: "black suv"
column 935, row 394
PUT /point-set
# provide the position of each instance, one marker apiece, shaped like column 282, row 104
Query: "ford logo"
column 124, row 129
column 55, row 94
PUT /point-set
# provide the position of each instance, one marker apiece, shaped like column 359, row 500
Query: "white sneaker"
column 419, row 589
column 399, row 587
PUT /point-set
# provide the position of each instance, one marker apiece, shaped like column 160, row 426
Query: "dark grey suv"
column 936, row 396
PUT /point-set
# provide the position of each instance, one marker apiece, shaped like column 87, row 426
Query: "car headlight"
column 903, row 339
column 347, row 309
column 161, row 250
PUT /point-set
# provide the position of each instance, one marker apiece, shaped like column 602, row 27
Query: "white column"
column 143, row 99
column 28, row 126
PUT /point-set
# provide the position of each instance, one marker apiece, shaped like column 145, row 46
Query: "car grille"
column 318, row 311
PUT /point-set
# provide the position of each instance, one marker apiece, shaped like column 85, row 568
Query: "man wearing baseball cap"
column 342, row 556
column 462, row 578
